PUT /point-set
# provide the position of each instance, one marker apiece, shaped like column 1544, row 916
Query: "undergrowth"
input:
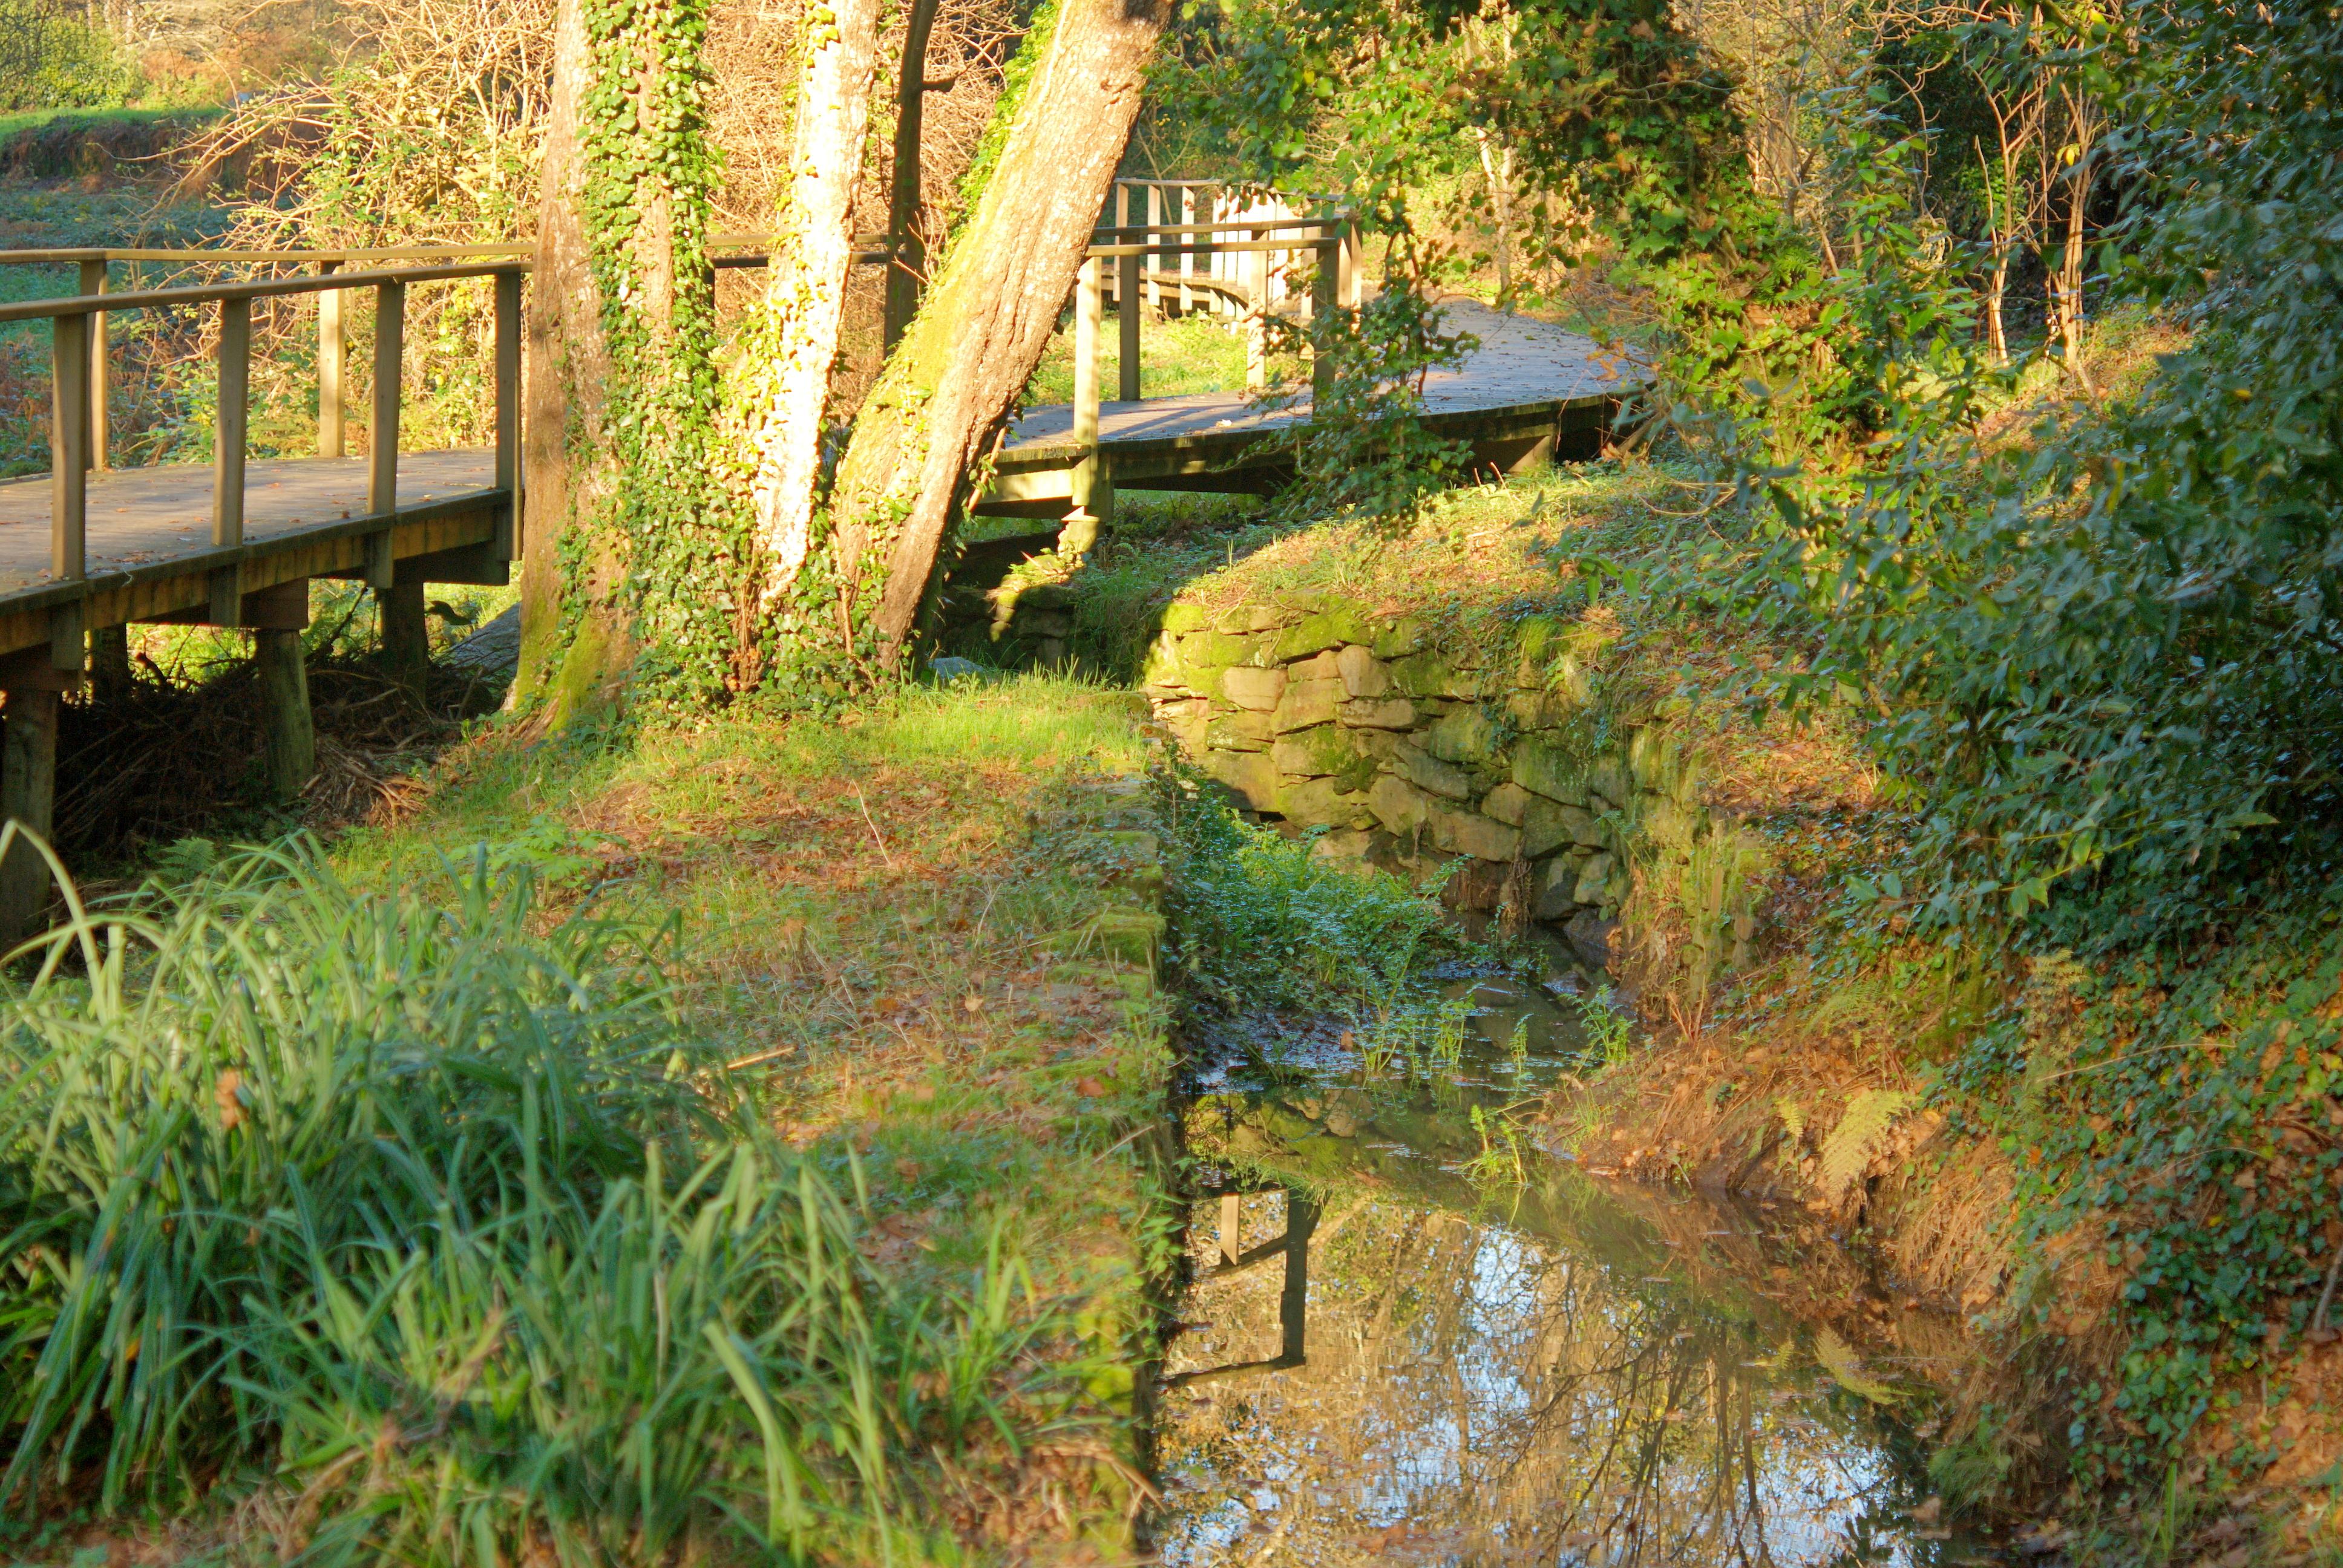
column 417, row 1220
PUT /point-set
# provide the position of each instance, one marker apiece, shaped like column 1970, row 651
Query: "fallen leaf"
column 1091, row 1088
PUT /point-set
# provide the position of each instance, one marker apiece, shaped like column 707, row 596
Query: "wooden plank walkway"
column 150, row 554
column 1527, row 384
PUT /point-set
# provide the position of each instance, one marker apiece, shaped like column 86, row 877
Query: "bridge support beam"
column 292, row 732
column 28, row 794
column 406, row 636
column 109, row 662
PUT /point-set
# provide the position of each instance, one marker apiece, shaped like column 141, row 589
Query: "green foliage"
column 2093, row 663
column 433, row 1214
column 652, row 175
column 49, row 60
column 1601, row 110
column 2179, row 1112
column 1610, row 1029
column 1258, row 920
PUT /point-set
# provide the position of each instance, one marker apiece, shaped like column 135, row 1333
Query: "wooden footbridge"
column 88, row 549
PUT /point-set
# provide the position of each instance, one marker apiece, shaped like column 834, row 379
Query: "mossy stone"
column 1397, row 639
column 1543, row 768
column 1180, row 617
column 1463, row 735
column 1335, row 624
column 1431, row 674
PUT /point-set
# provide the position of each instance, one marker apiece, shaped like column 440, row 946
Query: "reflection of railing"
column 1292, row 1297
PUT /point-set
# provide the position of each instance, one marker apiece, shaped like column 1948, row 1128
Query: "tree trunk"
column 805, row 298
column 622, row 552
column 909, row 268
column 569, row 470
column 946, row 395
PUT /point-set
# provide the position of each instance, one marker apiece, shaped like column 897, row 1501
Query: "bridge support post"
column 28, row 792
column 1094, row 486
column 292, row 731
column 109, row 662
column 406, row 636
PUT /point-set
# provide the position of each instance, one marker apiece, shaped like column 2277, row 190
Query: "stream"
column 1406, row 1340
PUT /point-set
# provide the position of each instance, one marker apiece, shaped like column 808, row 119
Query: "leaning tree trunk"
column 622, row 556
column 909, row 264
column 946, row 393
column 792, row 349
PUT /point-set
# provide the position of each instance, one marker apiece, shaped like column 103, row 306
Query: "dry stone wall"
column 1417, row 755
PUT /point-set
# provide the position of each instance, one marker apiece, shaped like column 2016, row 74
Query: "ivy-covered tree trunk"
column 791, row 348
column 947, row 392
column 628, row 572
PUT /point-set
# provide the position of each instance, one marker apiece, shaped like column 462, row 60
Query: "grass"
column 25, row 120
column 1178, row 356
column 731, row 1156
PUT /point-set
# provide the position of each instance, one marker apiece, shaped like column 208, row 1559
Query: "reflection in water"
column 1382, row 1362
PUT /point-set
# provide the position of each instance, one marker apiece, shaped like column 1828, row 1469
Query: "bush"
column 51, row 61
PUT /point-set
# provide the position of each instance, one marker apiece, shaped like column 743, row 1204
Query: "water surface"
column 1400, row 1346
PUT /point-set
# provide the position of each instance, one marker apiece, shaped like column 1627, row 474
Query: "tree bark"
column 805, row 298
column 567, row 466
column 620, row 552
column 946, row 395
column 907, row 268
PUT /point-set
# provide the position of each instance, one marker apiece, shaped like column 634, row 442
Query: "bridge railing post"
column 1256, row 281
column 1127, row 319
column 228, row 456
column 1121, row 221
column 1092, row 487
column 1187, row 255
column 93, row 281
column 69, row 481
column 1154, row 260
column 382, row 434
column 1326, row 292
column 508, row 543
column 333, row 356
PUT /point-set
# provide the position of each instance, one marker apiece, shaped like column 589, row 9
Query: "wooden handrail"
column 248, row 288
column 339, row 257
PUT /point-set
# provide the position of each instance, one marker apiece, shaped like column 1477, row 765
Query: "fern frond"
column 1857, row 1136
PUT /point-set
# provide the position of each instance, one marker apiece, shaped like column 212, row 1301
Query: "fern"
column 1793, row 1118
column 1857, row 1136
column 1838, row 1359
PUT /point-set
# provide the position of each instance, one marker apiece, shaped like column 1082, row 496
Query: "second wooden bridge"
column 87, row 549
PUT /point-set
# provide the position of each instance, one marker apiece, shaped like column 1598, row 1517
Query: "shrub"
column 52, row 61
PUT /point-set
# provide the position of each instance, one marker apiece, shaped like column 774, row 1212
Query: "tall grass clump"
column 425, row 1225
column 1260, row 920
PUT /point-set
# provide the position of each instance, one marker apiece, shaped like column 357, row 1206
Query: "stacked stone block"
column 1414, row 755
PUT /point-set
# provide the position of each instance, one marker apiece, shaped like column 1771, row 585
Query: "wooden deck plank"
column 1520, row 363
column 150, row 517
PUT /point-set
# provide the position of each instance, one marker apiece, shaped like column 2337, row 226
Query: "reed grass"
column 415, row 1220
